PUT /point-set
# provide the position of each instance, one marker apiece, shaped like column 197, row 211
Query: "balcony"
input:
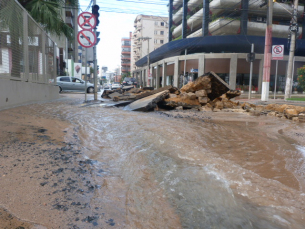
column 126, row 52
column 125, row 58
column 69, row 21
column 125, row 64
column 228, row 27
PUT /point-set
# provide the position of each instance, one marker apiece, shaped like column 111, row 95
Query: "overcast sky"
column 116, row 21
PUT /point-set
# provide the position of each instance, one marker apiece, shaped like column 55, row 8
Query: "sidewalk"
column 256, row 99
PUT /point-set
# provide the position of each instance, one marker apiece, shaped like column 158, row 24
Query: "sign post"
column 87, row 39
column 277, row 54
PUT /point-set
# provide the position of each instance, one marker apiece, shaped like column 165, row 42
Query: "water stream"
column 165, row 172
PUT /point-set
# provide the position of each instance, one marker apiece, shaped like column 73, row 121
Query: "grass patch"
column 297, row 99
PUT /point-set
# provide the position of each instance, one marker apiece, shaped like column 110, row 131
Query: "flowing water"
column 186, row 171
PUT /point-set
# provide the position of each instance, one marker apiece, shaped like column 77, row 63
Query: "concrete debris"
column 148, row 103
column 207, row 93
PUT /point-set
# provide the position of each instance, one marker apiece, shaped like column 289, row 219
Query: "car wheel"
column 60, row 89
column 90, row 90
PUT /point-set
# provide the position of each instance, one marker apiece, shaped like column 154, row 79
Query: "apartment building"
column 126, row 54
column 217, row 35
column 67, row 51
column 155, row 29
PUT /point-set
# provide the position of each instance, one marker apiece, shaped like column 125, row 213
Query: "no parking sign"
column 277, row 52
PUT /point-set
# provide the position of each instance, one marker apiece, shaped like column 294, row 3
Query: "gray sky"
column 116, row 21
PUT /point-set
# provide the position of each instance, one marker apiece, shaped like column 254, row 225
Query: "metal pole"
column 293, row 30
column 95, row 63
column 148, row 75
column 251, row 70
column 184, row 66
column 267, row 53
column 277, row 62
column 86, row 74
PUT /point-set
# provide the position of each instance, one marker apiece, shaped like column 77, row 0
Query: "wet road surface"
column 184, row 169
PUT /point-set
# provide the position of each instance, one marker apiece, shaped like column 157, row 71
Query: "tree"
column 48, row 14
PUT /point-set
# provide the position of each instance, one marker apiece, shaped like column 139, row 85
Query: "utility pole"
column 267, row 52
column 148, row 60
column 293, row 31
column 95, row 63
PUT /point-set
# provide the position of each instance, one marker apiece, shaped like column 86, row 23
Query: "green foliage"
column 48, row 14
column 296, row 99
column 301, row 77
column 178, row 38
column 173, row 27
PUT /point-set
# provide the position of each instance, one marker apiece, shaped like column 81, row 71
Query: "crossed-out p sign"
column 86, row 21
column 277, row 52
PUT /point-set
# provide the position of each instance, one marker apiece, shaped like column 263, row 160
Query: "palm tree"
column 48, row 14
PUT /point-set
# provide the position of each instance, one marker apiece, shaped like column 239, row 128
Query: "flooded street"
column 182, row 169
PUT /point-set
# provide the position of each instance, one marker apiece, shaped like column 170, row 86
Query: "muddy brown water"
column 185, row 169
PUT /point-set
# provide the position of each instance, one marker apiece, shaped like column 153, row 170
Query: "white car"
column 116, row 85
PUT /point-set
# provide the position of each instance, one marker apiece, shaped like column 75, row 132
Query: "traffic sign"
column 277, row 52
column 86, row 38
column 87, row 21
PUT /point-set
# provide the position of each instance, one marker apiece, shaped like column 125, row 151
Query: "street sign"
column 87, row 21
column 86, row 38
column 277, row 52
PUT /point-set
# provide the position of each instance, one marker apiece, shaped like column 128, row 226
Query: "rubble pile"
column 207, row 93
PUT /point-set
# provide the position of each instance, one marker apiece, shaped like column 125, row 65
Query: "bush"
column 301, row 77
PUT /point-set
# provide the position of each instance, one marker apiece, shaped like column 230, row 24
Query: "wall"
column 15, row 93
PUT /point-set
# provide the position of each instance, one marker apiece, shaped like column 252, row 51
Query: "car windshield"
column 116, row 83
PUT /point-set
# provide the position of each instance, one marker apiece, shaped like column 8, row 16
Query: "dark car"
column 129, row 81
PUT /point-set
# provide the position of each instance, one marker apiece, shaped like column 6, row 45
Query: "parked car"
column 130, row 81
column 116, row 85
column 70, row 83
column 106, row 86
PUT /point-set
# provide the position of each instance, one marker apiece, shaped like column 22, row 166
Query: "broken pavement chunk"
column 148, row 103
column 209, row 81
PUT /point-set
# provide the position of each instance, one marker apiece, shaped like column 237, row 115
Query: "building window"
column 155, row 41
column 161, row 41
column 162, row 32
column 162, row 23
column 156, row 32
column 156, row 23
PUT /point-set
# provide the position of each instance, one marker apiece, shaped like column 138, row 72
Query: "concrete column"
column 164, row 73
column 205, row 18
column 303, row 29
column 146, row 77
column 26, row 70
column 233, row 71
column 184, row 20
column 260, row 75
column 176, row 71
column 140, row 79
column 244, row 17
column 201, row 65
column 44, row 73
column 152, row 80
column 170, row 20
column 158, row 77
column 137, row 77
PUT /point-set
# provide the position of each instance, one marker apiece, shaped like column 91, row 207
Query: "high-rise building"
column 125, row 54
column 154, row 29
column 217, row 35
